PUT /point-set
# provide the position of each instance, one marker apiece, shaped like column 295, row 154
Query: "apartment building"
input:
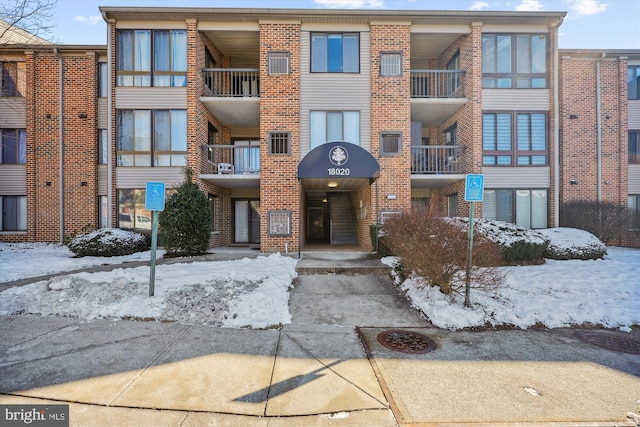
column 308, row 126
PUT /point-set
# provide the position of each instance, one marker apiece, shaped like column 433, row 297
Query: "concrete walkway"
column 326, row 368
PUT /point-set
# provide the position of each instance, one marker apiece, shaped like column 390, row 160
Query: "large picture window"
column 13, row 146
column 634, row 146
column 524, row 207
column 514, row 61
column 152, row 137
column 328, row 126
column 335, row 53
column 528, row 130
column 14, row 213
column 633, row 81
column 151, row 58
column 132, row 212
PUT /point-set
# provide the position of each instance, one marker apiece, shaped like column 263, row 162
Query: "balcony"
column 434, row 166
column 231, row 166
column 233, row 95
column 436, row 95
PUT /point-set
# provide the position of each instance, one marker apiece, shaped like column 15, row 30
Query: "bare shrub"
column 607, row 221
column 436, row 249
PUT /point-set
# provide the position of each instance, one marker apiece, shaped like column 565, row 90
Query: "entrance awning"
column 339, row 160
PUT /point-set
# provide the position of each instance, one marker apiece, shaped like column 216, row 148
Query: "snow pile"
column 572, row 243
column 245, row 293
column 108, row 242
column 505, row 234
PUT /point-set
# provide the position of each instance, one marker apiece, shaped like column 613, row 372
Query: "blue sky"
column 590, row 24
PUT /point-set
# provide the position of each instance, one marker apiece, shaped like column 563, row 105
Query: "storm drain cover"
column 408, row 342
column 610, row 341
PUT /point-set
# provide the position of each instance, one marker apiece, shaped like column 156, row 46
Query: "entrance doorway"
column 247, row 221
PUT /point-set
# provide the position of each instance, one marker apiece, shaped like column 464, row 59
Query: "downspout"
column 109, row 125
column 60, row 141
column 599, row 130
column 556, row 130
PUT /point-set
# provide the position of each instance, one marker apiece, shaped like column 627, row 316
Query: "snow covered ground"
column 255, row 292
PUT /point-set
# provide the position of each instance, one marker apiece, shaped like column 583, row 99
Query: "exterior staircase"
column 343, row 230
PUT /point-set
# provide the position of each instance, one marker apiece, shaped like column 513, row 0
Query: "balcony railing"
column 437, row 84
column 231, row 159
column 436, row 159
column 232, row 82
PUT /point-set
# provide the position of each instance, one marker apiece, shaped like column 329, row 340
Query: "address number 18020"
column 338, row 171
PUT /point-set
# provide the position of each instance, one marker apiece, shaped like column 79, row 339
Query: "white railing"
column 232, row 81
column 437, row 84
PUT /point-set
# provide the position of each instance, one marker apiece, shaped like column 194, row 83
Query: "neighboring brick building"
column 308, row 126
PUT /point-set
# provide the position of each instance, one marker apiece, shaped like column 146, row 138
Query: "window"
column 390, row 143
column 527, row 208
column 634, row 146
column 452, row 205
column 102, row 147
column 152, row 137
column 212, row 204
column 279, row 143
column 451, row 135
column 13, row 146
column 14, row 213
column 514, row 61
column 633, row 73
column 279, row 62
column 152, row 58
column 529, row 131
column 103, row 211
column 454, row 80
column 279, row 223
column 390, row 64
column 335, row 53
column 131, row 208
column 103, row 81
column 8, row 79
column 329, row 126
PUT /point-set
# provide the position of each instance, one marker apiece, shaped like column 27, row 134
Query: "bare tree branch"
column 32, row 16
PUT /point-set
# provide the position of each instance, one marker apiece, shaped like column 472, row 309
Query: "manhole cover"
column 610, row 341
column 406, row 341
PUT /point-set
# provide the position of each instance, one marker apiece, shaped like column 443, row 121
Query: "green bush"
column 108, row 242
column 185, row 222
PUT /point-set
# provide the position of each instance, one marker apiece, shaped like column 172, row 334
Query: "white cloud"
column 529, row 6
column 587, row 7
column 479, row 5
column 350, row 4
column 91, row 20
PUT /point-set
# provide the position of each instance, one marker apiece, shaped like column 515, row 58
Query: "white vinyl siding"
column 634, row 114
column 634, row 179
column 333, row 92
column 13, row 113
column 514, row 177
column 137, row 177
column 13, row 180
column 103, row 179
column 103, row 115
column 516, row 99
column 157, row 98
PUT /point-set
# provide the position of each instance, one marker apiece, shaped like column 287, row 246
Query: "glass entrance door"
column 247, row 221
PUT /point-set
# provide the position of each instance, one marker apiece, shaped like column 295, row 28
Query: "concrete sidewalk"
column 326, row 368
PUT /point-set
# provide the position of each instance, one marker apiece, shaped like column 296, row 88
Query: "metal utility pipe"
column 60, row 141
column 556, row 132
column 599, row 130
column 109, row 127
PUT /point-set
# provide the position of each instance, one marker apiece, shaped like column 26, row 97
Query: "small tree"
column 607, row 221
column 185, row 222
column 27, row 15
column 436, row 249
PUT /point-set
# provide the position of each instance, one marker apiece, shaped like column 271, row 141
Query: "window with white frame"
column 525, row 207
column 328, row 126
column 335, row 53
column 152, row 137
column 14, row 213
column 151, row 58
column 390, row 64
column 390, row 143
column 279, row 62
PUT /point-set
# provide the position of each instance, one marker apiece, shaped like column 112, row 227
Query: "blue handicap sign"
column 154, row 200
column 474, row 188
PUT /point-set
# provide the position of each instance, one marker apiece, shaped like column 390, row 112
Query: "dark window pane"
column 162, row 130
column 334, row 53
column 161, row 50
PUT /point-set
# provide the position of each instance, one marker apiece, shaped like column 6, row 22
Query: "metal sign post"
column 154, row 202
column 474, row 190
